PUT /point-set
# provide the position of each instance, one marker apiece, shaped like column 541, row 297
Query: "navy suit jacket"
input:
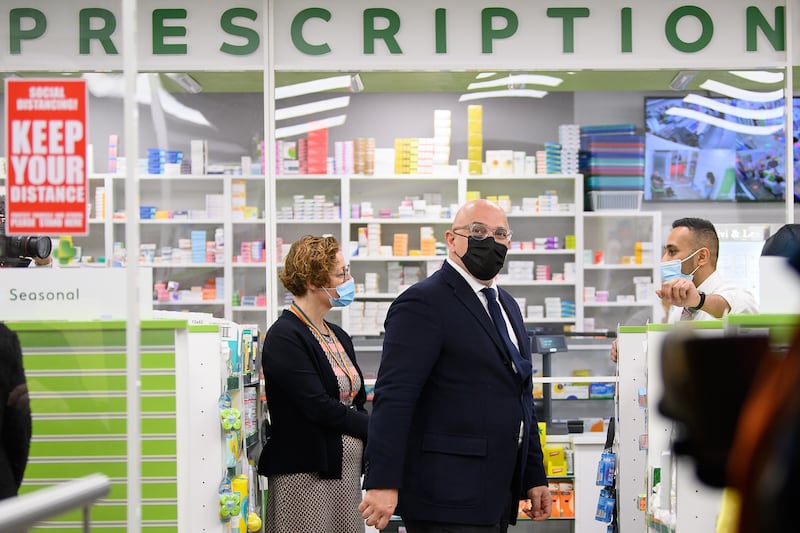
column 448, row 404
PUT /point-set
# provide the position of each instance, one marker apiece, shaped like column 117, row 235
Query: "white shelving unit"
column 345, row 198
column 557, row 222
column 188, row 193
column 614, row 234
column 202, row 443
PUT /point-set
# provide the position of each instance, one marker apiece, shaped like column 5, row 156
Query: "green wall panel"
column 105, row 529
column 95, row 383
column 108, row 426
column 164, row 447
column 161, row 491
column 60, row 338
column 79, row 383
column 77, row 405
column 159, row 469
column 113, row 469
column 154, row 490
column 150, row 404
column 37, row 470
column 159, row 426
column 83, row 448
column 101, row 427
column 79, row 529
column 160, row 511
column 75, row 361
column 93, row 334
column 158, row 404
column 158, row 361
column 97, row 361
column 99, row 448
column 158, row 383
column 118, row 513
column 92, row 353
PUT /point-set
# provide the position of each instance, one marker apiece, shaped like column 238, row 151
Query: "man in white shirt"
column 689, row 278
column 690, row 283
column 694, row 290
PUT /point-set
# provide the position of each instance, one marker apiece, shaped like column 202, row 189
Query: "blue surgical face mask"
column 672, row 269
column 346, row 291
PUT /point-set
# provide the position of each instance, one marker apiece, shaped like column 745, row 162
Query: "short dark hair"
column 310, row 259
column 704, row 234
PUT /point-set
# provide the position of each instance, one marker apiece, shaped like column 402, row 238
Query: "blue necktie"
column 500, row 325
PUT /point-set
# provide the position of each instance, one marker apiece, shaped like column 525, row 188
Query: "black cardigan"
column 307, row 417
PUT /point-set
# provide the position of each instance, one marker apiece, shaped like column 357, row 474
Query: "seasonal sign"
column 46, row 190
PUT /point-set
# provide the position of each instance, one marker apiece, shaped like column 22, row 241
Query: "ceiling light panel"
column 507, row 93
column 517, row 79
column 311, row 108
column 352, row 82
column 742, row 94
column 759, row 76
column 300, row 129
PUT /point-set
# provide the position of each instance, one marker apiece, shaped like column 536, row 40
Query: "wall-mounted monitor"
column 716, row 149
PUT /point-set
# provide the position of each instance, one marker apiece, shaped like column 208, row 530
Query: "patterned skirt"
column 304, row 503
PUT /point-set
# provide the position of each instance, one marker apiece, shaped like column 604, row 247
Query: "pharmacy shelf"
column 307, row 221
column 534, row 283
column 400, row 220
column 618, row 267
column 561, row 251
column 618, row 304
column 189, row 303
column 384, row 258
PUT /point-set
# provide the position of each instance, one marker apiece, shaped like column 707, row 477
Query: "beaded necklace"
column 331, row 346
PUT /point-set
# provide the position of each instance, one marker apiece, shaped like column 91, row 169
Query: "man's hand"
column 614, row 353
column 679, row 292
column 541, row 503
column 378, row 506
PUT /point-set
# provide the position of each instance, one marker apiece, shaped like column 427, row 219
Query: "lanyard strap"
column 338, row 357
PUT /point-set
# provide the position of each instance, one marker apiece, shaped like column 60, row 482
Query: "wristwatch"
column 700, row 304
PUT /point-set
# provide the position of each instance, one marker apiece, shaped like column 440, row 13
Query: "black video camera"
column 17, row 251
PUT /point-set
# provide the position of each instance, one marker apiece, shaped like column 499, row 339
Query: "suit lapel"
column 524, row 364
column 507, row 301
column 471, row 301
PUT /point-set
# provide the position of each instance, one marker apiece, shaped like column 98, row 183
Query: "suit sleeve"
column 288, row 365
column 411, row 347
column 534, row 474
column 16, row 430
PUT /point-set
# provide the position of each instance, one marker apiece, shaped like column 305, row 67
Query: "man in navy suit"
column 453, row 438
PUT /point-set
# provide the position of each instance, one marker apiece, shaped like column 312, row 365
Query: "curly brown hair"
column 310, row 260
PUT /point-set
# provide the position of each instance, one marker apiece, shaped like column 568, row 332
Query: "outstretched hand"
column 680, row 292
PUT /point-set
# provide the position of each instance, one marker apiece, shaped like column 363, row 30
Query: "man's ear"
column 449, row 238
column 703, row 257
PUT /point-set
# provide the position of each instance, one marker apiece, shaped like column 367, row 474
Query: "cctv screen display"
column 717, row 149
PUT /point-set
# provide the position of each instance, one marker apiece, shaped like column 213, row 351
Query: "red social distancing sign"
column 46, row 189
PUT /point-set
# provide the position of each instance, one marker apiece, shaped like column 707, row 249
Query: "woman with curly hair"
column 315, row 391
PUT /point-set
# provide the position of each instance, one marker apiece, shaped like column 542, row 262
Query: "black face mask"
column 485, row 258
